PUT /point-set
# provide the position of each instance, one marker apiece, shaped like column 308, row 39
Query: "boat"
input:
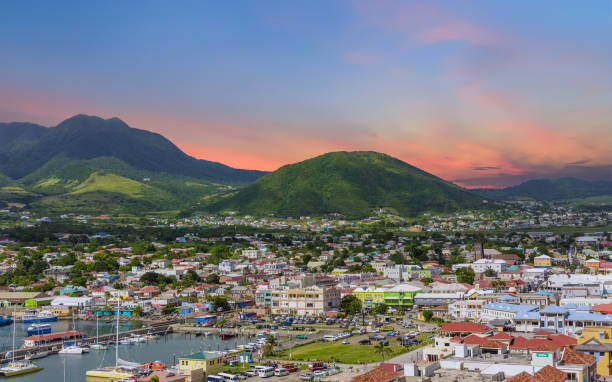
column 30, row 316
column 155, row 365
column 226, row 336
column 39, row 329
column 126, row 341
column 135, row 338
column 98, row 345
column 35, row 355
column 18, row 367
column 72, row 349
column 123, row 370
column 152, row 336
column 5, row 320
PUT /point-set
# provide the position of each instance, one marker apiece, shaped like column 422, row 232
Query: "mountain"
column 551, row 190
column 350, row 183
column 27, row 147
column 90, row 164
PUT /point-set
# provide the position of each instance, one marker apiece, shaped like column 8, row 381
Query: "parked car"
column 306, row 376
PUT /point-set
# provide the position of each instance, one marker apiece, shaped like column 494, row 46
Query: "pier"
column 161, row 328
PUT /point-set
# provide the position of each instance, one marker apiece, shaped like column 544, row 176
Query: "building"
column 466, row 309
column 400, row 295
column 542, row 261
column 481, row 265
column 209, row 363
column 370, row 295
column 597, row 341
column 227, row 266
column 435, row 299
column 501, row 310
column 310, row 301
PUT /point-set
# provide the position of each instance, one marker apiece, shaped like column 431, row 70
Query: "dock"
column 161, row 328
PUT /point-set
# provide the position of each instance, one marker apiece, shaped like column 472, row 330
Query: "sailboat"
column 18, row 367
column 98, row 345
column 122, row 369
column 72, row 347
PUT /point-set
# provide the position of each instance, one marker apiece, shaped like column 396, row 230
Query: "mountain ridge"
column 563, row 188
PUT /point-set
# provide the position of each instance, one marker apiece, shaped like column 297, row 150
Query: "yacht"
column 30, row 316
column 98, row 345
column 39, row 329
column 36, row 354
column 18, row 367
column 122, row 370
column 72, row 349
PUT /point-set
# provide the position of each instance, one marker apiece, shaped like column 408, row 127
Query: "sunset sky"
column 482, row 93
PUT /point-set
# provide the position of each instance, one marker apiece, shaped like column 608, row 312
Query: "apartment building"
column 310, row 301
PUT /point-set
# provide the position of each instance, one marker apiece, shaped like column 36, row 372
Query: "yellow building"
column 597, row 341
column 370, row 295
column 543, row 261
column 210, row 363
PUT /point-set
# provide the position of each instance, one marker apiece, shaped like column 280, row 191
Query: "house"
column 210, row 363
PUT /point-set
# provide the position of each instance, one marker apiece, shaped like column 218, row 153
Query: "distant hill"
column 551, row 190
column 27, row 147
column 350, row 183
column 92, row 164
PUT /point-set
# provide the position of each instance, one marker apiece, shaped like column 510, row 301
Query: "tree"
column 426, row 280
column 212, row 278
column 170, row 308
column 489, row 272
column 268, row 348
column 220, row 304
column 381, row 309
column 398, row 258
column 381, row 349
column 427, row 315
column 137, row 311
column 465, row 275
column 350, row 304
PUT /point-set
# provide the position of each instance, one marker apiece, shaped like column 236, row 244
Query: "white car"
column 320, row 373
column 281, row 372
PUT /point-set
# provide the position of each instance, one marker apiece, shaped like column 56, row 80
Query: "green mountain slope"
column 350, row 183
column 551, row 190
column 83, row 137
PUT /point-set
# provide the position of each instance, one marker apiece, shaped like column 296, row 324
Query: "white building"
column 227, row 266
column 466, row 309
column 481, row 265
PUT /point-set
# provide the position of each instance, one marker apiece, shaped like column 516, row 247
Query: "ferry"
column 5, row 320
column 44, row 316
column 39, row 329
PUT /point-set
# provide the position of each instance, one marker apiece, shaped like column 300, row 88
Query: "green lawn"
column 351, row 353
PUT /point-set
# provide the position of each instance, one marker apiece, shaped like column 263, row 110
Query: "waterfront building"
column 210, row 363
column 310, row 301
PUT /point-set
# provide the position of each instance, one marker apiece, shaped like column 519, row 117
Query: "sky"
column 481, row 93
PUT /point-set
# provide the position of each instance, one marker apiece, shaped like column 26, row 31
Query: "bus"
column 228, row 377
column 215, row 378
column 265, row 371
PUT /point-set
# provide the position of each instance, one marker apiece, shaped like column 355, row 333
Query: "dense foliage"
column 350, row 183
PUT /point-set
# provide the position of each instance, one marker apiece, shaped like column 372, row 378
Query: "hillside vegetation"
column 350, row 183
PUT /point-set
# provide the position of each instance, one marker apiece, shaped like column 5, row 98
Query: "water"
column 165, row 349
column 88, row 327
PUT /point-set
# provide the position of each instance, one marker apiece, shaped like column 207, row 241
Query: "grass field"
column 352, row 353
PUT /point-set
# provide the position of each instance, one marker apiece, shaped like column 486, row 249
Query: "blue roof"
column 589, row 316
column 545, row 293
column 534, row 316
column 554, row 309
column 516, row 308
column 507, row 297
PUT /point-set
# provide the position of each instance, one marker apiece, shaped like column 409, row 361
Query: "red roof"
column 54, row 336
column 502, row 336
column 602, row 308
column 463, row 327
column 473, row 339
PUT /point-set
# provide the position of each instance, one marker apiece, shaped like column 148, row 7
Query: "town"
column 518, row 297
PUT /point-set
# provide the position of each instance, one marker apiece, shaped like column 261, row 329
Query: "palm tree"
column 268, row 348
column 381, row 349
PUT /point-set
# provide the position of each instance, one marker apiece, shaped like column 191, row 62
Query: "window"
column 571, row 377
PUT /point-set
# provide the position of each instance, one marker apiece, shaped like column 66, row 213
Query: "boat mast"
column 14, row 325
column 117, row 339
